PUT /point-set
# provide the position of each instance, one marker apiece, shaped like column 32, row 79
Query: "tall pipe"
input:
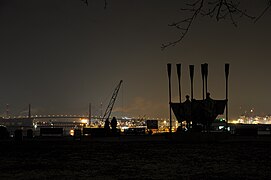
column 169, row 87
column 179, row 80
column 227, row 70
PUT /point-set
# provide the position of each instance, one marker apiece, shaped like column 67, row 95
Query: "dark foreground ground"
column 132, row 159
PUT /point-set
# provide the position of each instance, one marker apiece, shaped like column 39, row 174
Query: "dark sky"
column 61, row 55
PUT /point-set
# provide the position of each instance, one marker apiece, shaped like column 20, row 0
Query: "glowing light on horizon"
column 84, row 121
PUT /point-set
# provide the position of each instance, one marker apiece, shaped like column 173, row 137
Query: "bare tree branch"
column 264, row 11
column 220, row 9
column 85, row 1
column 187, row 23
column 105, row 3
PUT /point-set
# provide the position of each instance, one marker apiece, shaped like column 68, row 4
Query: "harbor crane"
column 112, row 102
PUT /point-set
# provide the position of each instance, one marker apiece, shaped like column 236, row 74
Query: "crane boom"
column 112, row 102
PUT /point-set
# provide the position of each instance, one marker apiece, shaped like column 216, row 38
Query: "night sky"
column 61, row 55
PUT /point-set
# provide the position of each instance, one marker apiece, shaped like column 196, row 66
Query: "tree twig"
column 220, row 9
column 188, row 21
column 105, row 3
column 264, row 11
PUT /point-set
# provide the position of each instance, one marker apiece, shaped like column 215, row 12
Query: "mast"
column 89, row 113
column 191, row 68
column 227, row 70
column 29, row 111
column 179, row 80
column 206, row 78
column 202, row 78
column 169, row 87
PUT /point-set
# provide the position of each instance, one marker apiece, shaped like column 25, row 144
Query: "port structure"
column 106, row 114
column 110, row 106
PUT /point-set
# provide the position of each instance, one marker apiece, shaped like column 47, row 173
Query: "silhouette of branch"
column 85, row 1
column 220, row 9
column 264, row 11
column 184, row 25
column 105, row 3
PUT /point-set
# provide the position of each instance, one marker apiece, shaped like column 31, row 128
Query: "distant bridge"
column 53, row 116
column 77, row 116
column 88, row 116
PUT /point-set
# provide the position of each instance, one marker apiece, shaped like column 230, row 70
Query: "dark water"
column 134, row 160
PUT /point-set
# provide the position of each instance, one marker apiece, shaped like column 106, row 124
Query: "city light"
column 72, row 132
column 84, row 121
